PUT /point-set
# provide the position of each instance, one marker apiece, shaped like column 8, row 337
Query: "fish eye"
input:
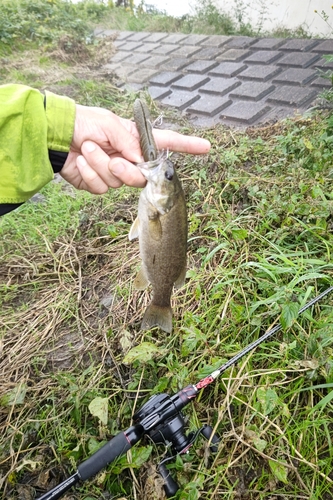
column 168, row 175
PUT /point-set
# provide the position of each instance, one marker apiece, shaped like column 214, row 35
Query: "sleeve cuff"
column 57, row 160
column 60, row 115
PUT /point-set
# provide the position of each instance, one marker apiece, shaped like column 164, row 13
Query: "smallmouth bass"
column 161, row 227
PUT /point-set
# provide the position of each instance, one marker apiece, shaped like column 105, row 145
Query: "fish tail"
column 157, row 316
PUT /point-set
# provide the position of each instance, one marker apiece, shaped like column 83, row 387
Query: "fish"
column 161, row 226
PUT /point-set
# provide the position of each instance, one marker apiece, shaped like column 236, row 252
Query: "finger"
column 123, row 141
column 114, row 171
column 169, row 139
column 126, row 172
column 91, row 181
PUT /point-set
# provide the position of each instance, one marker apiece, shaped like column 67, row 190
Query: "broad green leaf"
column 143, row 352
column 307, row 143
column 206, row 370
column 289, row 314
column 94, row 445
column 140, row 455
column 268, row 399
column 14, row 397
column 260, row 444
column 191, row 340
column 99, row 408
column 239, row 234
column 279, row 471
column 125, row 340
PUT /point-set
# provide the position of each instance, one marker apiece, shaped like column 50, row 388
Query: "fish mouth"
column 149, row 165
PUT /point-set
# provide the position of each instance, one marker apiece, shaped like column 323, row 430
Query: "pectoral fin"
column 155, row 228
column 141, row 281
column 181, row 278
column 135, row 230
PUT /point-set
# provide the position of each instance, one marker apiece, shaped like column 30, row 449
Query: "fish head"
column 161, row 186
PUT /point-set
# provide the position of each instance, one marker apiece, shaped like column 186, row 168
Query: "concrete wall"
column 283, row 13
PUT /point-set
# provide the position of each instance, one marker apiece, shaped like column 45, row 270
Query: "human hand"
column 105, row 146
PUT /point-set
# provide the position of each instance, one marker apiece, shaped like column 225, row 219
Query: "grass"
column 260, row 246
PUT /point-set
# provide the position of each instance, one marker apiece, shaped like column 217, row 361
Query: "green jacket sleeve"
column 29, row 128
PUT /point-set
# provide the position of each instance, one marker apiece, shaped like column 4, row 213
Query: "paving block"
column 147, row 47
column 122, row 35
column 119, row 56
column 164, row 49
column 208, row 53
column 253, row 91
column 119, row 43
column 216, row 41
column 260, row 73
column 177, row 63
column 296, row 76
column 186, row 51
column 209, row 105
column 141, row 75
column 195, row 39
column 158, row 92
column 302, row 44
column 219, row 86
column 99, row 30
column 278, row 113
column 139, row 36
column 268, row 43
column 322, row 83
column 156, row 37
column 233, row 55
column 228, row 69
column 263, row 57
column 241, row 42
column 132, row 87
column 190, row 82
column 180, row 99
column 323, row 64
column 110, row 67
column 175, row 38
column 130, row 46
column 200, row 67
column 325, row 47
column 123, row 72
column 155, row 61
column 245, row 112
column 165, row 78
column 136, row 58
column 298, row 59
column 291, row 96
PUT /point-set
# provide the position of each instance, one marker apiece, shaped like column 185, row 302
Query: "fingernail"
column 118, row 168
column 138, row 159
column 89, row 147
column 81, row 162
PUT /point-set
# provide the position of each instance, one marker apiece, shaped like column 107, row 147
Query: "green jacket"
column 31, row 125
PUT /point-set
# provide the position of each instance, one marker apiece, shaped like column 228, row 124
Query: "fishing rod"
column 161, row 419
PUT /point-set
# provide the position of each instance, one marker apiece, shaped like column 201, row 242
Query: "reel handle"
column 207, row 431
column 170, row 486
